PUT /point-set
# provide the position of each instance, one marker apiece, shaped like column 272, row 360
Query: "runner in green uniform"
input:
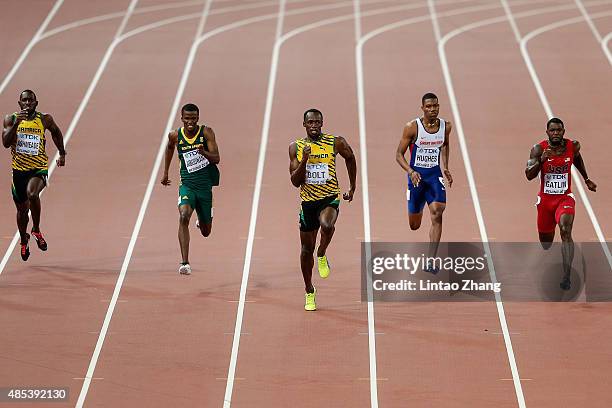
column 198, row 155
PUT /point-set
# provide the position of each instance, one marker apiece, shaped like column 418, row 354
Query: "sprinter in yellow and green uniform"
column 24, row 133
column 312, row 164
column 198, row 157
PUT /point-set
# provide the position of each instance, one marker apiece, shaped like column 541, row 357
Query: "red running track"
column 170, row 338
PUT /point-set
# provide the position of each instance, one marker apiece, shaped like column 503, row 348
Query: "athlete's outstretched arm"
column 534, row 162
column 213, row 150
column 172, row 141
column 579, row 163
column 344, row 150
column 445, row 153
column 408, row 136
column 57, row 136
column 297, row 168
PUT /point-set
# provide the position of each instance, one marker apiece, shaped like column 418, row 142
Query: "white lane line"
column 583, row 11
column 594, row 30
column 589, row 20
column 30, row 45
column 604, row 46
column 160, row 7
column 231, row 375
column 119, row 14
column 143, row 207
column 549, row 113
column 365, row 194
column 476, row 201
column 427, row 17
column 239, row 23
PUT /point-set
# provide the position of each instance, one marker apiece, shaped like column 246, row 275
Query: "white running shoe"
column 185, row 269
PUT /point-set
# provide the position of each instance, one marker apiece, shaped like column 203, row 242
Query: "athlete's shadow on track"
column 549, row 284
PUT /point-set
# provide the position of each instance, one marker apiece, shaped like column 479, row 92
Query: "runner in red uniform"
column 552, row 159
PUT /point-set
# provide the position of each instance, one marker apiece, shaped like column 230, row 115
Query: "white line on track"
column 365, row 194
column 589, row 20
column 161, row 7
column 229, row 385
column 30, row 45
column 143, row 208
column 476, row 201
column 593, row 28
column 118, row 14
column 604, row 46
column 549, row 112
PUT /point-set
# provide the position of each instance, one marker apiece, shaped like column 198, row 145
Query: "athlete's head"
column 28, row 101
column 190, row 115
column 555, row 131
column 430, row 106
column 313, row 122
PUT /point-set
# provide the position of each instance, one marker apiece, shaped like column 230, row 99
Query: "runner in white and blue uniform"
column 428, row 140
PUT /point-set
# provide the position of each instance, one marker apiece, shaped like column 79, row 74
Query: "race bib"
column 194, row 161
column 556, row 183
column 27, row 144
column 426, row 157
column 317, row 173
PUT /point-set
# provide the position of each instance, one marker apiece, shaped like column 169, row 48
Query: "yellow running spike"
column 310, row 301
column 323, row 266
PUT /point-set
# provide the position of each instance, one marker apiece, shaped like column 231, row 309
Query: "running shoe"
column 431, row 268
column 323, row 266
column 185, row 269
column 566, row 283
column 25, row 248
column 310, row 305
column 40, row 240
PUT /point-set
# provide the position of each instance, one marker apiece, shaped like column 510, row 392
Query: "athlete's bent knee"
column 32, row 195
column 184, row 218
column 566, row 232
column 307, row 249
column 436, row 213
column 436, row 216
column 327, row 227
